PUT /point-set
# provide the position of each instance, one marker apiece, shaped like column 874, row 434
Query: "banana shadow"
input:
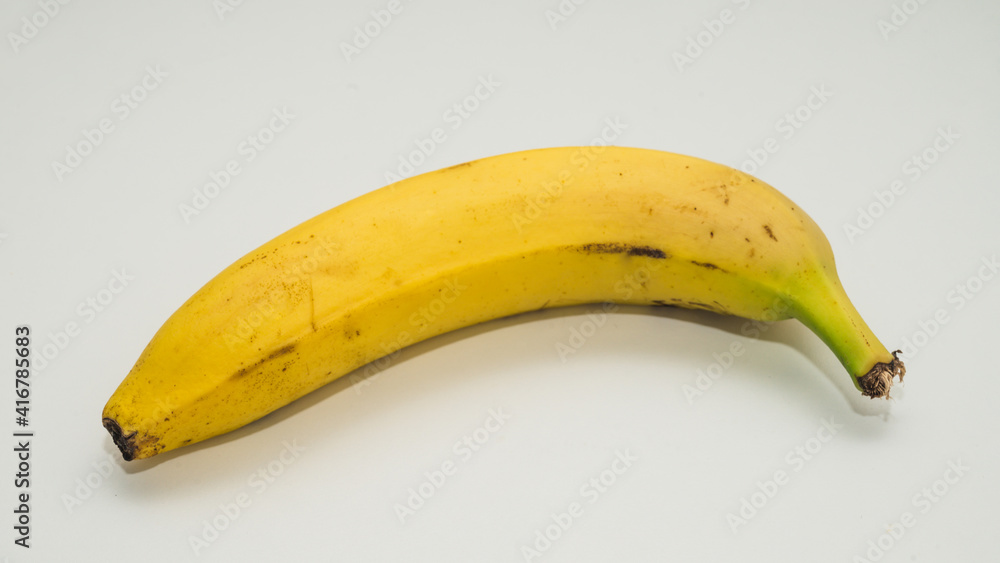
column 789, row 333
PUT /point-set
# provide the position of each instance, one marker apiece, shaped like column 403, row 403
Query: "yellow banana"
column 478, row 241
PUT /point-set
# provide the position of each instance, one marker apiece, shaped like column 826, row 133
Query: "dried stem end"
column 878, row 381
column 126, row 443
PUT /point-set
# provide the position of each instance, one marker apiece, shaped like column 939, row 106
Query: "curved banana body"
column 478, row 241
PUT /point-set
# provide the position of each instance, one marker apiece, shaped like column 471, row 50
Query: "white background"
column 889, row 93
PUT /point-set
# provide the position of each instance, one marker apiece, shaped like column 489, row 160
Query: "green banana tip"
column 878, row 381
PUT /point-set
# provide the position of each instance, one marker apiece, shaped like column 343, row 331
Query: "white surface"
column 361, row 448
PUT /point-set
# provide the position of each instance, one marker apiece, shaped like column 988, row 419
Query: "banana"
column 478, row 241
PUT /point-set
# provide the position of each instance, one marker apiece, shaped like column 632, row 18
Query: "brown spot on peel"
column 619, row 248
column 707, row 265
column 767, row 228
column 703, row 306
column 275, row 354
column 312, row 306
column 281, row 351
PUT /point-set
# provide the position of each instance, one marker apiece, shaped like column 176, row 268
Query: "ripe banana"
column 478, row 241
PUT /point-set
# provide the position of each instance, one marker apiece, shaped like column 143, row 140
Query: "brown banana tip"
column 878, row 381
column 125, row 442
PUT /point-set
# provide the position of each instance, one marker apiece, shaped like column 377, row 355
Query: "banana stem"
column 829, row 313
